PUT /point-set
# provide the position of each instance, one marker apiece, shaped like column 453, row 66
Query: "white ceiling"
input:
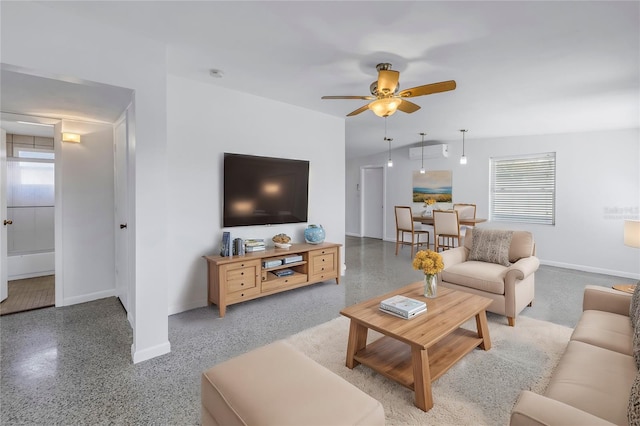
column 31, row 98
column 521, row 67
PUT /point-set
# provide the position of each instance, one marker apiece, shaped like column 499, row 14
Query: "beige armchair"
column 497, row 264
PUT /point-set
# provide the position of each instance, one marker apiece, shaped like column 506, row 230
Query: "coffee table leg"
column 483, row 330
column 357, row 341
column 421, row 378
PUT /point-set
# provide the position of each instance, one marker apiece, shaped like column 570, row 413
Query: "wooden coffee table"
column 417, row 351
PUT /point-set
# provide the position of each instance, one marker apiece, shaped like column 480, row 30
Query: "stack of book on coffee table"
column 403, row 307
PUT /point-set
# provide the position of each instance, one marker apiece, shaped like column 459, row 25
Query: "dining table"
column 428, row 220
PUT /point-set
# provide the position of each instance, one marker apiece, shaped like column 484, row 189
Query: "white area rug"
column 481, row 389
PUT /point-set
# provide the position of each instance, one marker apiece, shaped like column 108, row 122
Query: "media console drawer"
column 235, row 279
column 323, row 264
column 281, row 282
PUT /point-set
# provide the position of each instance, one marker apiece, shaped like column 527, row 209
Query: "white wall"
column 200, row 129
column 598, row 186
column 87, row 200
column 38, row 37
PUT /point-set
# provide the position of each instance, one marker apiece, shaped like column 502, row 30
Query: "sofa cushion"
column 483, row 276
column 491, row 245
column 633, row 411
column 521, row 246
column 594, row 380
column 606, row 330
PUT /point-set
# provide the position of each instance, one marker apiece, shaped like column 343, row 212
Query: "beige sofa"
column 501, row 266
column 592, row 383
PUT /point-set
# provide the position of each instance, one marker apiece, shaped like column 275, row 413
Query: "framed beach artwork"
column 434, row 184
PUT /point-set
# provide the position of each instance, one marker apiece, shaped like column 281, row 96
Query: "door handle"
column 123, row 225
column 8, row 222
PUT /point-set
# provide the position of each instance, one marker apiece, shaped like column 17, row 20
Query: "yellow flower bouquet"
column 429, row 262
column 429, row 202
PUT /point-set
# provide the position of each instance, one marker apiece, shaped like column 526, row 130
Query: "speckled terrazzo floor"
column 72, row 365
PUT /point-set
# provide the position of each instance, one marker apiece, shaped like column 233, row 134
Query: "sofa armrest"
column 605, row 299
column 533, row 409
column 521, row 269
column 454, row 256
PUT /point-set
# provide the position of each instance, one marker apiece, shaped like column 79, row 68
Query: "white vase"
column 430, row 285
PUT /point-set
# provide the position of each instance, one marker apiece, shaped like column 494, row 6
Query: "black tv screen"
column 264, row 190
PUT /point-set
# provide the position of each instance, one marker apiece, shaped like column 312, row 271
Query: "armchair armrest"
column 606, row 299
column 521, row 269
column 533, row 409
column 454, row 256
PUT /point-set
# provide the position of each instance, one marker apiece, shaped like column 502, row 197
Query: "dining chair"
column 446, row 229
column 404, row 224
column 465, row 211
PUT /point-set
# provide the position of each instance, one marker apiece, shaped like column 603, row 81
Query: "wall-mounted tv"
column 264, row 190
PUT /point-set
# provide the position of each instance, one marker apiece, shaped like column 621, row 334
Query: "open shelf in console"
column 271, row 281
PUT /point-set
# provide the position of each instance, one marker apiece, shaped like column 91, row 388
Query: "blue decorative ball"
column 314, row 234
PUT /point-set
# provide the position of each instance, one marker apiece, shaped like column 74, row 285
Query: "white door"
column 372, row 211
column 4, row 291
column 121, row 180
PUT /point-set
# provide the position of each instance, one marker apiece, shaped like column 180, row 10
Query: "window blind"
column 523, row 189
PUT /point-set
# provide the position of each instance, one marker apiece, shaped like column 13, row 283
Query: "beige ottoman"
column 278, row 385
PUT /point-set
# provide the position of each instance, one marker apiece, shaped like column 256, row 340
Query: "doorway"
column 372, row 202
column 28, row 215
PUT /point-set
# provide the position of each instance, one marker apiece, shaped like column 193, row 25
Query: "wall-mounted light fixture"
column 71, row 137
column 632, row 233
column 422, row 170
column 463, row 159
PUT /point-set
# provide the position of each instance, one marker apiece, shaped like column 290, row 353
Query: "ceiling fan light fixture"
column 385, row 107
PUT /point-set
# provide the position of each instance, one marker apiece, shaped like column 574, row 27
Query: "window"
column 30, row 202
column 523, row 189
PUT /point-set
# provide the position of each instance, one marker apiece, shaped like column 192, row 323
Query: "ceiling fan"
column 387, row 97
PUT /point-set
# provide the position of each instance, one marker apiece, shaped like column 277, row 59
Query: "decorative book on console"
column 403, row 306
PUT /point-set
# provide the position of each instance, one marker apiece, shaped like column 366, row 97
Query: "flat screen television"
column 264, row 190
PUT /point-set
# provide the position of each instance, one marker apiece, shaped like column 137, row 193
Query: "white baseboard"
column 31, row 275
column 152, row 352
column 352, row 234
column 591, row 269
column 88, row 297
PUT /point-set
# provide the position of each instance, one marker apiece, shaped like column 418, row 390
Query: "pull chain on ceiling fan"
column 386, row 96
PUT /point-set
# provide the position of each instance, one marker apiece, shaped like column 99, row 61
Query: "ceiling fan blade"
column 358, row 111
column 366, row 98
column 387, row 81
column 428, row 89
column 408, row 107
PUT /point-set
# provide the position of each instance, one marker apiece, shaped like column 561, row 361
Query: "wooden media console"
column 235, row 279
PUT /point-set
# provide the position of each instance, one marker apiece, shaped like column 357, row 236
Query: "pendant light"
column 389, row 162
column 422, row 170
column 463, row 159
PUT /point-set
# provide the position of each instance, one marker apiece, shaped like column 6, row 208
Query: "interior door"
column 372, row 212
column 121, row 204
column 4, row 291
